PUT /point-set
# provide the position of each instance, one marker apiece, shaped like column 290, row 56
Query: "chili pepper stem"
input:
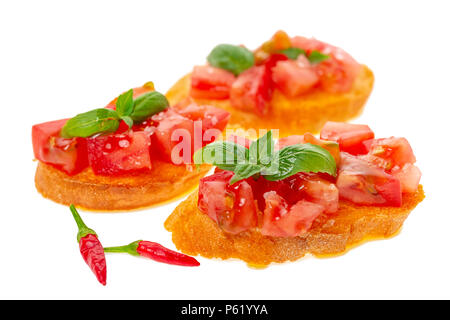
column 83, row 230
column 129, row 248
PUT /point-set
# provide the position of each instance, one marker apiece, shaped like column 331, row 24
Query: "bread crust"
column 306, row 113
column 108, row 193
column 195, row 233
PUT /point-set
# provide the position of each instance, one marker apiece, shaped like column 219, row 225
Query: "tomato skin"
column 294, row 77
column 289, row 141
column 68, row 155
column 350, row 137
column 397, row 151
column 252, row 90
column 208, row 82
column 282, row 220
column 119, row 153
column 232, row 207
column 363, row 183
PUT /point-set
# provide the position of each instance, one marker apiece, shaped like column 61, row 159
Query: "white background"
column 59, row 58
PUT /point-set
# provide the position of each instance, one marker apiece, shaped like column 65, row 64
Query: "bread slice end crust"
column 165, row 182
column 195, row 233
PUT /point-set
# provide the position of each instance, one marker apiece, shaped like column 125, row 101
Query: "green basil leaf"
column 124, row 104
column 292, row 53
column 89, row 123
column 128, row 121
column 235, row 59
column 147, row 105
column 244, row 171
column 225, row 155
column 317, row 57
column 301, row 158
column 261, row 150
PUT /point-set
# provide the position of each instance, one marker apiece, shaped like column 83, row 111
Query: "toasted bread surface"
column 93, row 192
column 195, row 233
column 306, row 113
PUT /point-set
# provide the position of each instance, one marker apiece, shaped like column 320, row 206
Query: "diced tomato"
column 211, row 117
column 208, row 82
column 396, row 151
column 320, row 191
column 294, row 78
column 119, row 153
column 232, row 207
column 280, row 41
column 338, row 72
column 363, row 183
column 147, row 87
column 409, row 177
column 349, row 136
column 273, row 60
column 174, row 137
column 68, row 155
column 282, row 220
column 252, row 90
column 243, row 141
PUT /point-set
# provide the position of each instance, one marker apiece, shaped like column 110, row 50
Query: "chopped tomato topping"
column 364, row 183
column 294, row 77
column 252, row 90
column 396, row 151
column 68, row 155
column 174, row 137
column 231, row 206
column 409, row 176
column 208, row 82
column 273, row 60
column 282, row 220
column 119, row 153
column 289, row 141
column 243, row 141
column 211, row 117
column 350, row 137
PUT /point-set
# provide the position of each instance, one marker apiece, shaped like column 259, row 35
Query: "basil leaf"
column 292, row 53
column 235, row 59
column 317, row 57
column 225, row 155
column 244, row 171
column 147, row 105
column 128, row 121
column 89, row 123
column 124, row 103
column 261, row 150
column 301, row 158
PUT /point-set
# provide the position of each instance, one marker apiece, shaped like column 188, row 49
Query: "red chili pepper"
column 90, row 247
column 156, row 252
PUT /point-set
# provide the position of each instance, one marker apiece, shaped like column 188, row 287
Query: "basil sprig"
column 317, row 57
column 235, row 59
column 107, row 121
column 262, row 159
column 292, row 53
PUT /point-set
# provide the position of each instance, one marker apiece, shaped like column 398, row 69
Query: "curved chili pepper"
column 90, row 247
column 155, row 251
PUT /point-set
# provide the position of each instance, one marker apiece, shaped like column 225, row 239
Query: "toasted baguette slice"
column 195, row 233
column 93, row 192
column 307, row 113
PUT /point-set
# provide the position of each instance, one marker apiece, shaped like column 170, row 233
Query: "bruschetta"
column 326, row 195
column 294, row 84
column 124, row 156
